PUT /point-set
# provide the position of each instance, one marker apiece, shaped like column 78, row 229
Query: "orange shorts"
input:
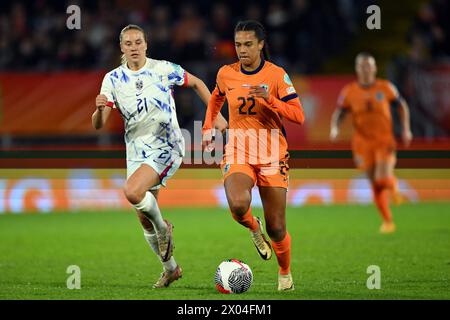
column 264, row 175
column 366, row 155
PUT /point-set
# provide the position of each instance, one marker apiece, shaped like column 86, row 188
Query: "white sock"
column 153, row 242
column 150, row 209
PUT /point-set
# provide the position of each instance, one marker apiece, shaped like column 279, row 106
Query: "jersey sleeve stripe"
column 185, row 81
column 289, row 97
column 220, row 92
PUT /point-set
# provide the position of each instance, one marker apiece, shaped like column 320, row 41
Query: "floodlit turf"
column 332, row 248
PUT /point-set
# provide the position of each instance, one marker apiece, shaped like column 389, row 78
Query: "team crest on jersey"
column 379, row 95
column 139, row 84
column 226, row 168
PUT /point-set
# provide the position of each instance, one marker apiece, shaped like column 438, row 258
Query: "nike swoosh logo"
column 138, row 94
column 264, row 256
column 229, row 89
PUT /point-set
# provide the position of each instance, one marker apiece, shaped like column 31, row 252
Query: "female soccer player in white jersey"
column 141, row 89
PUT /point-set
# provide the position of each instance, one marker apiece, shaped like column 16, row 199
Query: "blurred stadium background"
column 52, row 159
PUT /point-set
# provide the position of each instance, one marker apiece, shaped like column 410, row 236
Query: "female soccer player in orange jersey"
column 259, row 94
column 368, row 100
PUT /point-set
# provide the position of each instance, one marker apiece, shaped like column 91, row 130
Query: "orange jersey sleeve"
column 342, row 101
column 215, row 103
column 391, row 91
column 286, row 103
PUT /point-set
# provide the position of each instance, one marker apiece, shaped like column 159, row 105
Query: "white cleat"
column 260, row 241
column 167, row 277
column 285, row 282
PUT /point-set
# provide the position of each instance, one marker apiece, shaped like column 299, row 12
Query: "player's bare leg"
column 238, row 188
column 383, row 183
column 158, row 232
column 274, row 204
column 136, row 191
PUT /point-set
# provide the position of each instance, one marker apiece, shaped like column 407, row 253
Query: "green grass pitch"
column 332, row 246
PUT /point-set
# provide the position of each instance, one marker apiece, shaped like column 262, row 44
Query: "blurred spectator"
column 418, row 75
column 302, row 33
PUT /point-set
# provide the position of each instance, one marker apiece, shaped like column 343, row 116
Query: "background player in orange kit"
column 368, row 100
column 259, row 94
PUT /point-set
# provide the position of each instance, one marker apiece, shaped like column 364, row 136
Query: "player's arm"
column 101, row 114
column 336, row 120
column 215, row 103
column 402, row 109
column 343, row 108
column 403, row 112
column 203, row 92
column 290, row 109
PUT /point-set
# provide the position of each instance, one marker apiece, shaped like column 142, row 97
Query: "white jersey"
column 145, row 101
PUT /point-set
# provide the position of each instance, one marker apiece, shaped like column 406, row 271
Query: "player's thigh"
column 274, row 205
column 140, row 181
column 385, row 161
column 363, row 158
column 238, row 182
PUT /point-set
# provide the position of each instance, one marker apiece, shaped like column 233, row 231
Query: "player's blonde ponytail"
column 123, row 58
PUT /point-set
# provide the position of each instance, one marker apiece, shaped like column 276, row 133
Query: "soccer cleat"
column 165, row 243
column 397, row 197
column 387, row 227
column 285, row 282
column 260, row 241
column 167, row 277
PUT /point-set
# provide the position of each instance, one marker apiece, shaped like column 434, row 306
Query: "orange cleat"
column 387, row 227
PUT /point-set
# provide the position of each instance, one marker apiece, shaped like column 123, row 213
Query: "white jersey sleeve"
column 175, row 73
column 108, row 87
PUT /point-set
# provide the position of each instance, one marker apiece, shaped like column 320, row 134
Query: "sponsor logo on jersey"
column 290, row 90
column 287, row 79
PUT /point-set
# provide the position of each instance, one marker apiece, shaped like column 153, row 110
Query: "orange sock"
column 247, row 220
column 283, row 252
column 381, row 198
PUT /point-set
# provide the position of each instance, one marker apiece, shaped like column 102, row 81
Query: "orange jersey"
column 261, row 119
column 370, row 108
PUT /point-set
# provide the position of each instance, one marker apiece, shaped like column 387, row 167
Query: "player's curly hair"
column 123, row 59
column 260, row 33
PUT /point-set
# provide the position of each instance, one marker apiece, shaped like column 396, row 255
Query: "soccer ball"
column 233, row 276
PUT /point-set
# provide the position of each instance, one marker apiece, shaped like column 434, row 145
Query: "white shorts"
column 165, row 170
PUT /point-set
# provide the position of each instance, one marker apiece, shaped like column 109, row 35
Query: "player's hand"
column 334, row 133
column 259, row 92
column 407, row 137
column 208, row 140
column 221, row 124
column 100, row 102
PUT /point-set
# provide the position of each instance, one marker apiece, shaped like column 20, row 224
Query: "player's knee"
column 276, row 230
column 239, row 206
column 133, row 195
